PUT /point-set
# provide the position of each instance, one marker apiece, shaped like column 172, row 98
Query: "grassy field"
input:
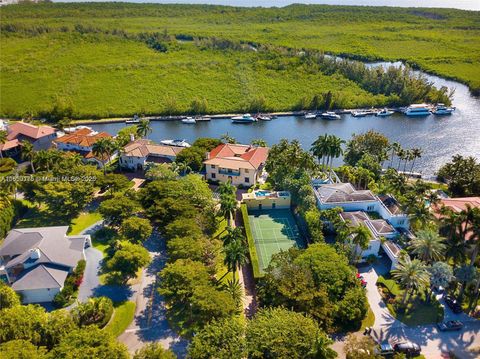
column 122, row 317
column 108, row 66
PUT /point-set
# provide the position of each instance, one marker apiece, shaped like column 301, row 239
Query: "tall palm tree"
column 320, row 148
column 401, row 156
column 233, row 235
column 464, row 274
column 416, row 153
column 412, row 276
column 428, row 246
column 361, row 237
column 408, row 157
column 46, row 159
column 226, row 138
column 3, row 140
column 104, row 148
column 235, row 256
column 28, row 154
column 259, row 142
column 335, row 150
column 395, row 147
column 228, row 206
column 144, row 128
column 474, row 238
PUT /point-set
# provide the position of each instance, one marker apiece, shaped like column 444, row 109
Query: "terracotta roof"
column 28, row 130
column 146, row 148
column 236, row 156
column 9, row 145
column 456, row 204
column 83, row 137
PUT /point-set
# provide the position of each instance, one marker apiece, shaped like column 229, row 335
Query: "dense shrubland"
column 233, row 59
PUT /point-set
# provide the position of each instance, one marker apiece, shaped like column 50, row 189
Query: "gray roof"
column 41, row 277
column 378, row 227
column 342, row 193
column 52, row 242
column 382, row 227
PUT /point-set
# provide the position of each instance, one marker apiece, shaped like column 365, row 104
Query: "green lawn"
column 122, row 317
column 83, row 221
column 418, row 311
column 222, row 271
column 369, row 320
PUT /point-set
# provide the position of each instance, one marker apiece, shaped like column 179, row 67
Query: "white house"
column 242, row 165
column 37, row 261
column 138, row 153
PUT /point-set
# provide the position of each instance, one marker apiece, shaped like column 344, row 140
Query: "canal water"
column 440, row 137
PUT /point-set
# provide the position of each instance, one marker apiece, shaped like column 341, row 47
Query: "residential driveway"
column 433, row 342
column 150, row 323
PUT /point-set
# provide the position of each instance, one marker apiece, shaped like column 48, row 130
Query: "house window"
column 229, row 170
column 213, row 175
column 247, row 180
column 213, row 166
column 246, row 171
column 401, row 222
column 370, row 208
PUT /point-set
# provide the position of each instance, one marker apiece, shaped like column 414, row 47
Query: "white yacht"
column 135, row 119
column 246, row 118
column 264, row 118
column 310, row 116
column 189, row 120
column 384, row 113
column 417, row 110
column 177, row 143
column 329, row 115
column 441, row 109
column 360, row 113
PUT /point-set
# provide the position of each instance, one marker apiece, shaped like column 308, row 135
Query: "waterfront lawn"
column 121, row 319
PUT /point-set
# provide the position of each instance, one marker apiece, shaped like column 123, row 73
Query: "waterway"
column 439, row 137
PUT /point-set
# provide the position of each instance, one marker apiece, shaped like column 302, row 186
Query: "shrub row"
column 69, row 291
column 251, row 243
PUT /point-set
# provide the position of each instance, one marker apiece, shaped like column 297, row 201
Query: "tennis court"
column 273, row 231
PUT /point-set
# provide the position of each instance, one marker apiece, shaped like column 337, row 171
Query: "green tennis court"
column 273, row 231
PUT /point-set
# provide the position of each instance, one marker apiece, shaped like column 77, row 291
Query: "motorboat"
column 441, row 109
column 135, row 119
column 176, row 143
column 417, row 110
column 360, row 113
column 189, row 120
column 384, row 113
column 203, row 119
column 330, row 116
column 264, row 118
column 310, row 116
column 246, row 118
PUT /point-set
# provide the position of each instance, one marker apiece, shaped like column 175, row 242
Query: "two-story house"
column 242, row 165
column 40, row 137
column 37, row 261
column 138, row 153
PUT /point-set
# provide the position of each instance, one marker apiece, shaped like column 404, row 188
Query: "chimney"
column 35, row 253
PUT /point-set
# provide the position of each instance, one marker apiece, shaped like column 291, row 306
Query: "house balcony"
column 228, row 172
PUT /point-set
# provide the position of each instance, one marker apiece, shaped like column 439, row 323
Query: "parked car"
column 453, row 304
column 384, row 349
column 407, row 348
column 450, row 325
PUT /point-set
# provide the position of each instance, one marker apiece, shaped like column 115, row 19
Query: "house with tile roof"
column 40, row 137
column 240, row 164
column 37, row 261
column 138, row 153
column 81, row 141
column 456, row 205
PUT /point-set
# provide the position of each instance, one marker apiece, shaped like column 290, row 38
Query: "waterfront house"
column 262, row 199
column 39, row 136
column 81, row 141
column 37, row 261
column 242, row 165
column 456, row 205
column 137, row 154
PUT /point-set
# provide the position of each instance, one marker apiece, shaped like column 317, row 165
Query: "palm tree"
column 320, row 148
column 335, row 148
column 144, row 128
column 412, row 276
column 465, row 274
column 428, row 246
column 395, row 147
column 181, row 167
column 228, row 206
column 234, row 288
column 235, row 256
column 3, row 140
column 46, row 159
column 233, row 235
column 28, row 154
column 416, row 153
column 259, row 142
column 408, row 157
column 361, row 237
column 104, row 148
column 401, row 156
column 475, row 235
column 226, row 138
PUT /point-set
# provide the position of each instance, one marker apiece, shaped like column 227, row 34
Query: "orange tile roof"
column 456, row 204
column 9, row 145
column 237, row 156
column 83, row 137
column 29, row 130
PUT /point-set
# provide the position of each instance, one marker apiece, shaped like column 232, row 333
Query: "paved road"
column 432, row 342
column 150, row 323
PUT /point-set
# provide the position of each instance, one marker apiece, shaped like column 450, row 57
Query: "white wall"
column 38, row 295
column 214, row 175
column 366, row 206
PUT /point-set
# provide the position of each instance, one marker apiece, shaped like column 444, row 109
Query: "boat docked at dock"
column 330, row 116
column 135, row 119
column 176, row 143
column 310, row 116
column 384, row 113
column 264, row 118
column 360, row 113
column 246, row 118
column 441, row 109
column 189, row 120
column 417, row 110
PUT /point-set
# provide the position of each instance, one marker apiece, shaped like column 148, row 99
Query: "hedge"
column 251, row 243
